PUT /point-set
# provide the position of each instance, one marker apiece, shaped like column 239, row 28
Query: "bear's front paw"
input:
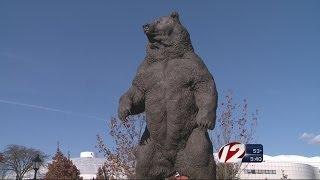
column 205, row 123
column 124, row 109
column 123, row 113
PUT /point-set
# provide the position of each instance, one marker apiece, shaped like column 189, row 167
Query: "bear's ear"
column 174, row 15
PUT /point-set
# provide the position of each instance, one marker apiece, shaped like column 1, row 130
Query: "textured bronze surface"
column 178, row 95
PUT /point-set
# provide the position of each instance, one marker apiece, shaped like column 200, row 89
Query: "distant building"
column 292, row 166
column 88, row 164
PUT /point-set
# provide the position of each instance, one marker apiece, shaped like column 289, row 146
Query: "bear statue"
column 178, row 95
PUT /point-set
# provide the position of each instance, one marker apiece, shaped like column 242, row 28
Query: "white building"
column 295, row 167
column 88, row 164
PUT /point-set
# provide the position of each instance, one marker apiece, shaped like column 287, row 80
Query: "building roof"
column 313, row 161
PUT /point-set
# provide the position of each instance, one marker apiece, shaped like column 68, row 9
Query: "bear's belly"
column 169, row 113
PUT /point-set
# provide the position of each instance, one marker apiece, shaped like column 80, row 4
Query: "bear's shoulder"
column 199, row 69
column 194, row 60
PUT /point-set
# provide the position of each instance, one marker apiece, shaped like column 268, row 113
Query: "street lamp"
column 36, row 165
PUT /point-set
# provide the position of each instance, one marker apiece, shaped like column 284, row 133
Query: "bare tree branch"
column 18, row 159
column 120, row 159
column 233, row 125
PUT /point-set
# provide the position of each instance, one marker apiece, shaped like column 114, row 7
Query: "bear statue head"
column 161, row 28
column 167, row 31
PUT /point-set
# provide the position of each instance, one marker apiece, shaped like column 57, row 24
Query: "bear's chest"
column 171, row 75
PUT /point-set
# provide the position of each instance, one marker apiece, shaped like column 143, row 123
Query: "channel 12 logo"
column 236, row 152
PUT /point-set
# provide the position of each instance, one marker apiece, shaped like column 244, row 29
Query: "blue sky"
column 64, row 65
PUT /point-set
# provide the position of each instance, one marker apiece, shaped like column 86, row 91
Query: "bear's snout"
column 146, row 27
column 149, row 28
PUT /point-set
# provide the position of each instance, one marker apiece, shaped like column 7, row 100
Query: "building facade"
column 277, row 167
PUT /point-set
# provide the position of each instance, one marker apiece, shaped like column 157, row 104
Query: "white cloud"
column 310, row 138
column 316, row 140
column 306, row 136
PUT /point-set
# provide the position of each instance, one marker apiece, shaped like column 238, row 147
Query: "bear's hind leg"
column 151, row 163
column 196, row 160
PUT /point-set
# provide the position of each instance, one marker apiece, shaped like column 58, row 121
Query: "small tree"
column 3, row 172
column 234, row 124
column 102, row 173
column 1, row 158
column 62, row 168
column 18, row 159
column 120, row 159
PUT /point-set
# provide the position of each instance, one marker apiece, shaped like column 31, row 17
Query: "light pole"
column 36, row 165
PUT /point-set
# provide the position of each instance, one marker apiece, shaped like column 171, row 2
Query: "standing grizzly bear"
column 178, row 95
